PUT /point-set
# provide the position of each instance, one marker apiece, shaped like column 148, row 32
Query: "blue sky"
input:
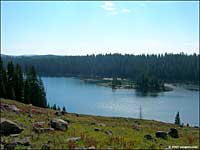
column 80, row 28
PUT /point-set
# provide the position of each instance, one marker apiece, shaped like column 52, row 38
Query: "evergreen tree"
column 48, row 106
column 11, row 81
column 54, row 107
column 18, row 83
column 3, row 81
column 177, row 119
column 33, row 89
column 64, row 109
column 13, row 85
column 27, row 92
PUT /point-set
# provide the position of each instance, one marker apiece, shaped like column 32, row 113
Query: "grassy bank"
column 126, row 133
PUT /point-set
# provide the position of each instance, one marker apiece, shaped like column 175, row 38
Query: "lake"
column 86, row 98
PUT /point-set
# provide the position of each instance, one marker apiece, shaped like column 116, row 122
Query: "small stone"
column 30, row 115
column 108, row 132
column 74, row 139
column 14, row 108
column 91, row 147
column 14, row 135
column 101, row 124
column 96, row 129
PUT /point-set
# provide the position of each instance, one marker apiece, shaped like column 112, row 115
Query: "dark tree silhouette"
column 177, row 119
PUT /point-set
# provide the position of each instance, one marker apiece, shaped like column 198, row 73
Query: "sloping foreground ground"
column 85, row 131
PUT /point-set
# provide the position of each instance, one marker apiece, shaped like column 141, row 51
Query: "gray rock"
column 108, row 132
column 161, row 134
column 173, row 133
column 91, row 147
column 101, row 124
column 59, row 124
column 8, row 127
column 74, row 139
column 148, row 137
column 14, row 108
column 14, row 135
column 30, row 115
column 96, row 129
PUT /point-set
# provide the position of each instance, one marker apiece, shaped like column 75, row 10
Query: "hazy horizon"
column 97, row 27
column 98, row 54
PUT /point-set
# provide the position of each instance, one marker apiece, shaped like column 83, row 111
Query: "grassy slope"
column 125, row 133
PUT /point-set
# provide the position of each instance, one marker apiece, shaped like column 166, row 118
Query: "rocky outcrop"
column 59, row 124
column 8, row 127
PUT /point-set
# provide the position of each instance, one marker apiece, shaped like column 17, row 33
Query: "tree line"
column 24, row 87
column 148, row 82
column 167, row 67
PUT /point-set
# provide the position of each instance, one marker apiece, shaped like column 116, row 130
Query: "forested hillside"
column 167, row 67
column 24, row 87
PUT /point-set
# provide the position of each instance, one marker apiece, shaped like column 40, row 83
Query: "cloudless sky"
column 80, row 28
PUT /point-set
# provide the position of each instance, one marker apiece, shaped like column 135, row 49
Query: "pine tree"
column 140, row 112
column 54, row 107
column 177, row 119
column 34, row 92
column 64, row 109
column 3, row 80
column 43, row 100
column 27, row 92
column 18, row 83
column 11, row 81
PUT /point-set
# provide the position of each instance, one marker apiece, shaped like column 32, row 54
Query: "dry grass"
column 127, row 133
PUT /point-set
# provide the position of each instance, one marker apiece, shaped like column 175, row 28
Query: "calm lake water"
column 85, row 98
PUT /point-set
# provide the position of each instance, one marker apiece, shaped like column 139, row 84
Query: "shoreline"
column 168, row 85
column 87, row 128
